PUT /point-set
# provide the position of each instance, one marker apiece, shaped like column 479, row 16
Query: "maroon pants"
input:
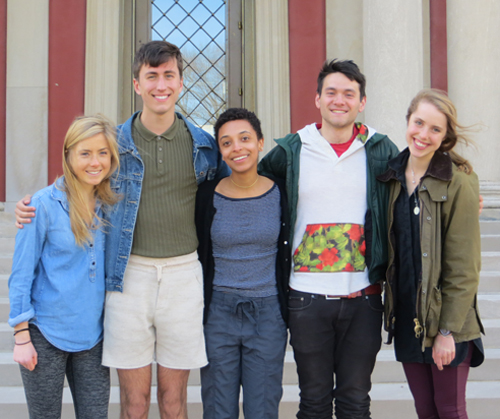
column 439, row 394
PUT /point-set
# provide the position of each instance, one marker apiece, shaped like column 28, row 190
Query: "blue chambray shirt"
column 56, row 284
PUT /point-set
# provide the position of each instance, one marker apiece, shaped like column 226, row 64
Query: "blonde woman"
column 434, row 259
column 56, row 288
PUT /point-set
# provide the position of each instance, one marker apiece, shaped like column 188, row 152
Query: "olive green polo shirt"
column 165, row 219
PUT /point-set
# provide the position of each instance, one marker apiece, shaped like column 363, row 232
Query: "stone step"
column 390, row 394
column 491, row 340
column 389, row 401
column 489, row 282
column 4, row 285
column 6, row 338
column 4, row 309
column 490, row 227
column 387, row 370
column 7, row 246
column 5, row 264
column 10, row 375
column 490, row 261
column 489, row 306
column 490, row 235
column 8, row 230
column 490, row 243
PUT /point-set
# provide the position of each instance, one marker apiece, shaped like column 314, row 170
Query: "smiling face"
column 239, row 146
column 159, row 88
column 426, row 131
column 339, row 102
column 90, row 160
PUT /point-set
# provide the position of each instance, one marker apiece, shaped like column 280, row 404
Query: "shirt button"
column 444, row 197
column 424, row 188
column 160, row 161
column 158, row 138
column 286, row 242
column 423, row 291
column 91, row 245
column 428, row 218
column 424, row 255
column 160, row 149
column 93, row 263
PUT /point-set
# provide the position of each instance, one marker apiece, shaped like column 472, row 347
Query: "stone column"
column 393, row 62
column 344, row 30
column 27, row 87
column 473, row 63
column 272, row 67
column 102, row 79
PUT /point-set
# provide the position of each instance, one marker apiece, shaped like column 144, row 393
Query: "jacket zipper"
column 419, row 327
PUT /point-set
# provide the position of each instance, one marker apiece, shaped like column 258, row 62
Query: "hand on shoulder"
column 24, row 212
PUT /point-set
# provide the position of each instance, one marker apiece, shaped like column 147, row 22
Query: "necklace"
column 412, row 172
column 243, row 187
column 416, row 209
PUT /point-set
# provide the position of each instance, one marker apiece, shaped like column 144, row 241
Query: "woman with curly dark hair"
column 242, row 226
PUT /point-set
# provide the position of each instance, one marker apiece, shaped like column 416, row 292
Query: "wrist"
column 21, row 336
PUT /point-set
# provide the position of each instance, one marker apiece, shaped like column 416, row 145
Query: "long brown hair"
column 82, row 128
column 454, row 131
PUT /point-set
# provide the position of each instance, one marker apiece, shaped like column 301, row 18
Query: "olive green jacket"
column 451, row 250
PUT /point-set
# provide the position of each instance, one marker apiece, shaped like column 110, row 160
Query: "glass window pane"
column 198, row 28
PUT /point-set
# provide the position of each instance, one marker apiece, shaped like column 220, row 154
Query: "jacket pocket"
column 434, row 313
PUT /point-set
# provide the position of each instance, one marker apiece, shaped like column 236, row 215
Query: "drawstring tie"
column 159, row 269
column 250, row 309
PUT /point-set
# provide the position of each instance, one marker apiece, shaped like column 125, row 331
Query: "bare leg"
column 172, row 393
column 135, row 392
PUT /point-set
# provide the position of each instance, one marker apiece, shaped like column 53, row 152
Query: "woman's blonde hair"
column 82, row 128
column 454, row 131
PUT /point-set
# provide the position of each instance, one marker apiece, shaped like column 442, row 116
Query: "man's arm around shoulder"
column 274, row 163
column 24, row 213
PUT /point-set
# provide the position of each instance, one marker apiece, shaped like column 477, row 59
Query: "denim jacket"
column 55, row 283
column 208, row 165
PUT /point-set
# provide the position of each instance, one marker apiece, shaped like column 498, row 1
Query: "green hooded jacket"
column 283, row 161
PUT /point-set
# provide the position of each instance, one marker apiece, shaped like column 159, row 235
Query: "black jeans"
column 87, row 378
column 335, row 344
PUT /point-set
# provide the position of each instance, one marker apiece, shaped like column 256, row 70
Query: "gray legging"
column 87, row 378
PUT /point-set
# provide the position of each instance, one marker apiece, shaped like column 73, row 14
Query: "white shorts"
column 160, row 311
